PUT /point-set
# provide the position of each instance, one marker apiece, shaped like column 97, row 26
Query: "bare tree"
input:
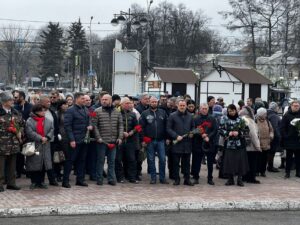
column 16, row 48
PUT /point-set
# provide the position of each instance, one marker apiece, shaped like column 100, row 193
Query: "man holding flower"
column 11, row 128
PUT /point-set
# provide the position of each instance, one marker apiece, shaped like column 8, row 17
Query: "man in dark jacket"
column 179, row 125
column 275, row 121
column 204, row 144
column 154, row 122
column 126, row 151
column 76, row 123
column 143, row 104
column 290, row 137
column 24, row 108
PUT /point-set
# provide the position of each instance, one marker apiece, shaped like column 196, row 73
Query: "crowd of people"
column 81, row 132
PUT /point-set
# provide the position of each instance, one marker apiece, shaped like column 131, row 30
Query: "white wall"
column 246, row 92
column 169, row 88
column 264, row 92
column 190, row 90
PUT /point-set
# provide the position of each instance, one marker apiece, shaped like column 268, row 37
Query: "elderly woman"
column 252, row 144
column 233, row 129
column 266, row 135
column 39, row 130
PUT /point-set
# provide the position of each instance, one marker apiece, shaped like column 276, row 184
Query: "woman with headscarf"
column 40, row 131
column 232, row 128
column 252, row 144
column 266, row 135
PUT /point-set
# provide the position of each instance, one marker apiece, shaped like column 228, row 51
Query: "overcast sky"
column 66, row 11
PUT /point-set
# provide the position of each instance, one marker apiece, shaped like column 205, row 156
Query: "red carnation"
column 138, row 128
column 147, row 140
column 93, row 114
column 206, row 124
column 111, row 146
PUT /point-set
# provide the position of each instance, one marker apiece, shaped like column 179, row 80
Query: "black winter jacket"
column 180, row 124
column 211, row 132
column 154, row 124
column 289, row 133
column 129, row 122
column 76, row 121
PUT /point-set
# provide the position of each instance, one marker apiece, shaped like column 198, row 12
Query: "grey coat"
column 36, row 162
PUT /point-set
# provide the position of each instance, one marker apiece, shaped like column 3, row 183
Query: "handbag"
column 28, row 149
column 58, row 157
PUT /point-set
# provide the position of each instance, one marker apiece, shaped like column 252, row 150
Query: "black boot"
column 230, row 181
column 240, row 182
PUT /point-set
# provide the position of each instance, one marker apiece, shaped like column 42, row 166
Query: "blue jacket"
column 76, row 121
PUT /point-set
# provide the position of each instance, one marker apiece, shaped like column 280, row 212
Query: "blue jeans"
column 159, row 147
column 111, row 156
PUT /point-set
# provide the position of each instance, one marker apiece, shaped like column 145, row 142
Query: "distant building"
column 234, row 84
column 174, row 81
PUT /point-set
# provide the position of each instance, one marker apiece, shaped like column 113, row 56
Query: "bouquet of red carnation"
column 111, row 146
column 13, row 126
column 92, row 114
column 137, row 129
column 146, row 139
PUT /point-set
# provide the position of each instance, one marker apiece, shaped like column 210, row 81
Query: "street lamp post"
column 90, row 75
column 55, row 80
column 135, row 21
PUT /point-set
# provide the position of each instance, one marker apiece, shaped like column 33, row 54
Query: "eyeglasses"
column 53, row 97
column 16, row 97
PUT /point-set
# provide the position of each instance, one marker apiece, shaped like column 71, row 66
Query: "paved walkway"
column 275, row 193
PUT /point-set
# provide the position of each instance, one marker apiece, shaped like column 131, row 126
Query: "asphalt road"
column 190, row 218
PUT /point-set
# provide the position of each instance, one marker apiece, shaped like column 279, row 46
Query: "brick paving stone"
column 273, row 188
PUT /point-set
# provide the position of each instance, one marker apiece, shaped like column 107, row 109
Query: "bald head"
column 153, row 103
column 106, row 100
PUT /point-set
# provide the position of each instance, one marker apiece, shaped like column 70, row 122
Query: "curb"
column 151, row 207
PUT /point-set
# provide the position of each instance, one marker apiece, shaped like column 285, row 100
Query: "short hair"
column 37, row 108
column 180, row 100
column 54, row 92
column 125, row 99
column 210, row 98
column 22, row 94
column 78, row 95
column 102, row 93
column 231, row 107
column 191, row 102
column 145, row 94
column 203, row 104
column 295, row 101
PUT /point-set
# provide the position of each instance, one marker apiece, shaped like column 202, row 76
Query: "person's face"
column 69, row 101
column 88, row 100
column 16, row 97
column 35, row 99
column 54, row 98
column 145, row 100
column 212, row 102
column 153, row 103
column 163, row 100
column 204, row 110
column 80, row 100
column 41, row 113
column 46, row 103
column 191, row 107
column 249, row 102
column 116, row 103
column 8, row 104
column 106, row 101
column 295, row 107
column 231, row 112
column 170, row 104
column 126, row 105
column 181, row 106
column 64, row 107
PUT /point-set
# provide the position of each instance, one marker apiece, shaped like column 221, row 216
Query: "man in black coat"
column 179, row 126
column 290, row 137
column 76, row 123
column 203, row 144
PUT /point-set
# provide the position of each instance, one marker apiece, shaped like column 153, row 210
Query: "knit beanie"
column 261, row 112
column 217, row 109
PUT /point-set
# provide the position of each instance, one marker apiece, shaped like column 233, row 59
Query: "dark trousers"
column 76, row 156
column 170, row 161
column 270, row 159
column 185, row 165
column 125, row 155
column 8, row 162
column 289, row 160
column 20, row 164
column 196, row 163
column 263, row 161
column 91, row 159
column 139, row 163
column 37, row 177
column 253, row 163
